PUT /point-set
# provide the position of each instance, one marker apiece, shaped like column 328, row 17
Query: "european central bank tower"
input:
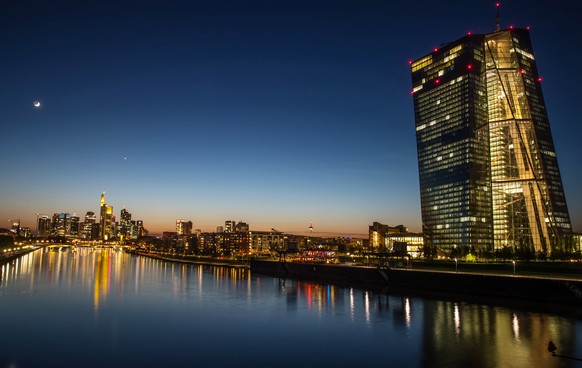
column 489, row 176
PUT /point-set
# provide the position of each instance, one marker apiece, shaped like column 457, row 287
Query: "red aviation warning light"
column 470, row 66
column 540, row 79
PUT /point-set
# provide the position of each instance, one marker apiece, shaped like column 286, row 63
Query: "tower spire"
column 497, row 21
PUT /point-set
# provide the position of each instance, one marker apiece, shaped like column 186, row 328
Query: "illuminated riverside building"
column 262, row 242
column 488, row 170
column 378, row 233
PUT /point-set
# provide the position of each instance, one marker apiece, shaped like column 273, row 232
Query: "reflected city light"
column 352, row 304
column 515, row 326
column 407, row 317
column 457, row 319
column 367, row 306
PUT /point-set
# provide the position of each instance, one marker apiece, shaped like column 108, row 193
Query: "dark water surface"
column 105, row 308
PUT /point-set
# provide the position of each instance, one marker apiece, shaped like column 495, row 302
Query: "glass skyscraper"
column 489, row 177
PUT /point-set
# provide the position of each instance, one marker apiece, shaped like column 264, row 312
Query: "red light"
column 510, row 27
column 497, row 5
column 435, row 49
column 409, row 62
column 469, row 66
column 411, row 92
column 528, row 28
column 469, row 33
column 522, row 71
column 539, row 79
column 437, row 81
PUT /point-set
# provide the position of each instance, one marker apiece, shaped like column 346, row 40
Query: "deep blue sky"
column 277, row 113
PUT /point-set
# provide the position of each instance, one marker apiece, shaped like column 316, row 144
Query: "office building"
column 88, row 227
column 75, row 226
column 124, row 229
column 106, row 220
column 489, row 177
column 61, row 225
column 44, row 226
column 183, row 227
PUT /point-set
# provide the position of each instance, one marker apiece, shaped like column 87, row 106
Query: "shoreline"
column 518, row 288
column 189, row 260
column 557, row 290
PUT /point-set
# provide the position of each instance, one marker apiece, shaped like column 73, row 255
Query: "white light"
column 36, row 104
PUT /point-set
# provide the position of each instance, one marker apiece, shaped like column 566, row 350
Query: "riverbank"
column 561, row 290
column 5, row 258
column 194, row 260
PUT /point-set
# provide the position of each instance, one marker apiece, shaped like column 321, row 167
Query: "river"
column 105, row 308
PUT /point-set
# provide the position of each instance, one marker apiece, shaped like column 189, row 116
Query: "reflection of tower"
column 106, row 219
column 102, row 274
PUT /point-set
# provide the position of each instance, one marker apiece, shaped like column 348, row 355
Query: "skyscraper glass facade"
column 488, row 171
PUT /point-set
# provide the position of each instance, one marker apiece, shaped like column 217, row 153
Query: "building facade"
column 44, row 226
column 106, row 220
column 183, row 227
column 489, row 176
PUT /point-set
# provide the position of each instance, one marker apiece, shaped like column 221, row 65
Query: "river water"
column 105, row 308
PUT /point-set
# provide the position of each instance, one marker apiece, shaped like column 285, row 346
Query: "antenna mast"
column 497, row 22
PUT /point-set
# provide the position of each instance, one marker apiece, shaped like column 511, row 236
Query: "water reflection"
column 140, row 299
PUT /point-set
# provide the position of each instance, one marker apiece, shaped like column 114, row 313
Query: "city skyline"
column 279, row 115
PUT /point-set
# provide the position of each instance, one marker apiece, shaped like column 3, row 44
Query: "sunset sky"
column 276, row 113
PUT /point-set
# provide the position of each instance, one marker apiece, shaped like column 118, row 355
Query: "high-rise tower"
column 106, row 220
column 488, row 170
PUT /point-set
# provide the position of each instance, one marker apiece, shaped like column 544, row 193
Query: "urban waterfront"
column 98, row 307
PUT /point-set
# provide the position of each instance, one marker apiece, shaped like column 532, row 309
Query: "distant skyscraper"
column 488, row 170
column 183, row 227
column 44, row 226
column 229, row 226
column 15, row 226
column 125, row 225
column 88, row 226
column 74, row 229
column 61, row 224
column 106, row 219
